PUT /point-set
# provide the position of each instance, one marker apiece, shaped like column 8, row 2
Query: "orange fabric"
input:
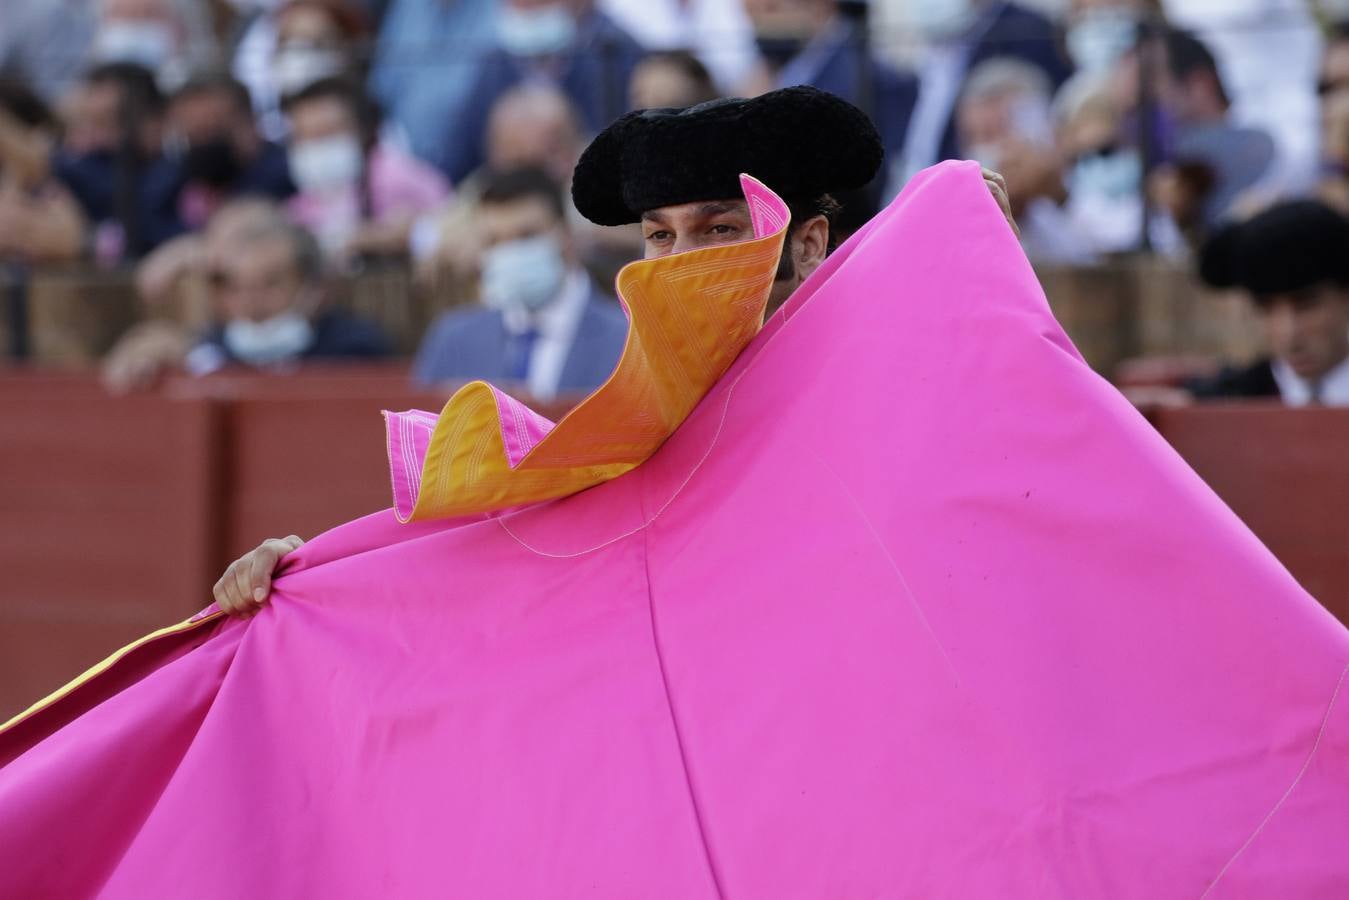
column 690, row 316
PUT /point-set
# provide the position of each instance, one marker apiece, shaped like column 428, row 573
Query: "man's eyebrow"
column 654, row 215
column 719, row 207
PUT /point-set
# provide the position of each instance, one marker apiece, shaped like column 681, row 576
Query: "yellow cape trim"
column 691, row 314
column 98, row 669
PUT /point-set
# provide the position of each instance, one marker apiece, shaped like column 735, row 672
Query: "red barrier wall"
column 118, row 514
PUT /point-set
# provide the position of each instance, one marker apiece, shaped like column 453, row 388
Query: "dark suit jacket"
column 594, row 74
column 893, row 93
column 466, row 344
column 1256, row 380
column 1012, row 31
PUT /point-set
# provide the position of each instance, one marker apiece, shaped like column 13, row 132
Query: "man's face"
column 260, row 281
column 516, row 220
column 321, row 117
column 203, row 116
column 1309, row 329
column 688, row 226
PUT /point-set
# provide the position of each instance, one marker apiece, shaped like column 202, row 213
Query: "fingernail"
column 259, row 594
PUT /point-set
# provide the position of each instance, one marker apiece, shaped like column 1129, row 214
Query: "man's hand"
column 998, row 188
column 244, row 587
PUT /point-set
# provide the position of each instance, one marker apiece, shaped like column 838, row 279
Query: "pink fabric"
column 913, row 605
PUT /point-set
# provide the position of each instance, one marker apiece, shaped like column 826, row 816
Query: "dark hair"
column 21, row 102
column 519, row 184
column 803, row 209
column 137, row 84
column 692, row 68
column 216, row 81
column 363, row 109
column 1186, row 54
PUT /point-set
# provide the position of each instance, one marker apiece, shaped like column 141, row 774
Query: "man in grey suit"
column 542, row 322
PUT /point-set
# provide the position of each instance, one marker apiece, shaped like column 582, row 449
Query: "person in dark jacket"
column 1293, row 262
column 542, row 322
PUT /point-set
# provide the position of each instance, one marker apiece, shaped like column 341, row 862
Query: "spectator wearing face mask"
column 717, row 32
column 39, row 220
column 357, row 194
column 110, row 158
column 542, row 322
column 566, row 43
column 298, row 43
column 959, row 35
column 269, row 301
column 51, row 43
column 1003, row 120
column 222, row 155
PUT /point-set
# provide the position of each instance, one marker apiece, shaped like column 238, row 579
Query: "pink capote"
column 913, row 605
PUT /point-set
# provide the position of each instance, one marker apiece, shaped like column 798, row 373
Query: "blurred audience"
column 532, row 126
column 670, row 79
column 50, row 43
column 270, row 311
column 566, row 43
column 1097, row 33
column 542, row 322
column 172, row 281
column 426, row 63
column 359, row 195
column 169, row 37
column 1267, row 52
column 1212, row 163
column 717, row 32
column 812, row 42
column 961, row 34
column 40, row 222
column 111, row 160
column 298, row 43
column 1292, row 260
column 1333, row 89
column 221, row 152
column 1003, row 121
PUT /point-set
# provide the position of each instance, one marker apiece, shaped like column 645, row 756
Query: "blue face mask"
column 1100, row 37
column 1115, row 175
column 536, row 32
column 525, row 274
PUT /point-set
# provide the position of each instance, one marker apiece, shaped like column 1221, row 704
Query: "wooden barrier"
column 104, row 516
column 119, row 513
column 1284, row 472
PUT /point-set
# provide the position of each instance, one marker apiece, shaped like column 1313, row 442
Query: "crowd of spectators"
column 241, row 153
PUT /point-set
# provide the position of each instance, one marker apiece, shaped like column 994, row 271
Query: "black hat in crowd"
column 800, row 141
column 1289, row 247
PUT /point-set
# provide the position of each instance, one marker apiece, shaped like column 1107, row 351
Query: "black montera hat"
column 800, row 141
column 1288, row 247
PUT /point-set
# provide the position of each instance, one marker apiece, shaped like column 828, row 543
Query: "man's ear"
column 810, row 243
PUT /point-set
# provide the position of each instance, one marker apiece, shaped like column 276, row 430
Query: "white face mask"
column 941, row 18
column 297, row 65
column 536, row 32
column 326, row 164
column 148, row 44
column 1100, row 37
column 525, row 274
column 282, row 337
column 1115, row 176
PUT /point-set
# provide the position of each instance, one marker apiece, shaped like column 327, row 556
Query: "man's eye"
column 658, row 236
column 724, row 229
